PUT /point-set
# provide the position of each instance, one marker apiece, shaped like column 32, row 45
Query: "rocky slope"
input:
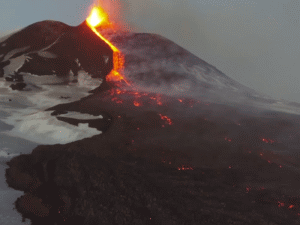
column 182, row 143
column 101, row 180
column 53, row 49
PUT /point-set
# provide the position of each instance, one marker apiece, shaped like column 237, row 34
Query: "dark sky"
column 255, row 42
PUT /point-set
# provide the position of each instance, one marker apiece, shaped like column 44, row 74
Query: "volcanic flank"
column 181, row 142
column 56, row 50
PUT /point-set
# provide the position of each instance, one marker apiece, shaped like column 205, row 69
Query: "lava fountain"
column 99, row 18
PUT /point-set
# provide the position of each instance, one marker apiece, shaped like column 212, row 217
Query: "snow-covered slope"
column 175, row 100
column 50, row 52
column 51, row 48
column 50, row 63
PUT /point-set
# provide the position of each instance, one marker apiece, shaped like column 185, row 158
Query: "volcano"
column 54, row 49
column 133, row 129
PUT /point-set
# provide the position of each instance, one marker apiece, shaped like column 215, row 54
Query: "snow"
column 34, row 126
column 46, row 54
column 12, row 52
column 8, row 216
column 15, row 64
column 77, row 115
column 43, row 128
column 77, row 62
column 4, row 153
column 106, row 58
column 42, row 80
column 85, row 80
column 32, row 123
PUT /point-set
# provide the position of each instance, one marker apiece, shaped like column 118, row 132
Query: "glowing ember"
column 117, row 100
column 136, row 103
column 167, row 119
column 268, row 140
column 227, row 139
column 98, row 18
column 185, row 167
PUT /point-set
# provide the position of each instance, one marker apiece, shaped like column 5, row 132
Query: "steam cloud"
column 244, row 39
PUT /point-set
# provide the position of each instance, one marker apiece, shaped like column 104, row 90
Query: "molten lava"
column 169, row 121
column 98, row 17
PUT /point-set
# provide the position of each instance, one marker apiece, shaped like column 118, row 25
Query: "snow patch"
column 43, row 80
column 77, row 115
column 17, row 50
column 77, row 62
column 15, row 64
column 27, row 58
column 49, row 97
column 46, row 54
column 43, row 128
column 85, row 80
column 6, row 154
column 106, row 58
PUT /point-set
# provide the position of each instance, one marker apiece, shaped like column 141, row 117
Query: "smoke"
column 247, row 41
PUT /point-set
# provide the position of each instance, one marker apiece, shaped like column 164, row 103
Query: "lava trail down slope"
column 180, row 142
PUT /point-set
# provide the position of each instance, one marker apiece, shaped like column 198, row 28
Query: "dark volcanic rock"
column 102, row 180
column 65, row 186
column 163, row 158
column 9, row 78
column 14, row 77
column 38, row 35
column 3, row 64
column 54, row 48
column 83, row 43
column 46, row 66
column 18, row 86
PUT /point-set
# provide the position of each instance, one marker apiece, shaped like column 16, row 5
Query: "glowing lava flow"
column 97, row 18
column 169, row 121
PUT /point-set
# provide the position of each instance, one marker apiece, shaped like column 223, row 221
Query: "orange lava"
column 98, row 17
column 228, row 139
column 268, row 140
column 136, row 103
column 185, row 167
column 167, row 119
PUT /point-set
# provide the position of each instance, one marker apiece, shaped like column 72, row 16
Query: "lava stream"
column 98, row 18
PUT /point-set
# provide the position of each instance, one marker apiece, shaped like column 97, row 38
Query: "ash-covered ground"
column 181, row 143
column 140, row 171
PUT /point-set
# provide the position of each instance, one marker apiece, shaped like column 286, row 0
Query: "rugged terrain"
column 181, row 142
